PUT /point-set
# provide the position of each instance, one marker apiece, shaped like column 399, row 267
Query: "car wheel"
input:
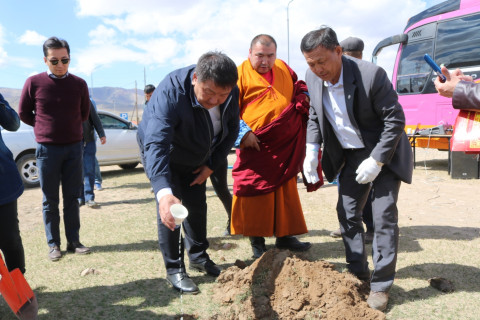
column 27, row 167
column 128, row 166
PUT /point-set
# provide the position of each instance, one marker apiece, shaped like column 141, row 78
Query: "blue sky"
column 112, row 42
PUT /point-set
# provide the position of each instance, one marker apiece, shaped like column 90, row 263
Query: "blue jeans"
column 98, row 174
column 60, row 163
column 89, row 151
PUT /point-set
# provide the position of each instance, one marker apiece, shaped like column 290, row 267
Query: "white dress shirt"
column 336, row 112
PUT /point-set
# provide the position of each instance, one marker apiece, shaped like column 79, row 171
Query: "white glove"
column 368, row 170
column 310, row 163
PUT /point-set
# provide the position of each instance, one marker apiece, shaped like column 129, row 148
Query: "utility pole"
column 288, row 34
column 135, row 109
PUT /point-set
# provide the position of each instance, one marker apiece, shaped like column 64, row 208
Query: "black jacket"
column 176, row 129
column 93, row 123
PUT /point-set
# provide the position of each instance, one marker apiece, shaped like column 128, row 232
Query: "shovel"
column 17, row 293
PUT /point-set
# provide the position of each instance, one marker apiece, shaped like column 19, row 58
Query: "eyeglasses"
column 55, row 62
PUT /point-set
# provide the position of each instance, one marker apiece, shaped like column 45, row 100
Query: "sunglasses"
column 55, row 62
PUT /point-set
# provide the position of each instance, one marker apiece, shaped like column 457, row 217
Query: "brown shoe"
column 378, row 300
column 78, row 248
column 54, row 254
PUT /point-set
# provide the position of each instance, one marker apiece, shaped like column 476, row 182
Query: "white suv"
column 121, row 147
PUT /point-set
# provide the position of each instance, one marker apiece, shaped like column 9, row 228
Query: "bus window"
column 457, row 42
column 413, row 72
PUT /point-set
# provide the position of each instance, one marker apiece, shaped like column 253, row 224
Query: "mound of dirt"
column 282, row 285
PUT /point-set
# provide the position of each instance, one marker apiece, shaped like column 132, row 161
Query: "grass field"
column 440, row 231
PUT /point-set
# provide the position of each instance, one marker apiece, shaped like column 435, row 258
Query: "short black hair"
column 149, row 88
column 55, row 43
column 325, row 37
column 218, row 67
column 264, row 39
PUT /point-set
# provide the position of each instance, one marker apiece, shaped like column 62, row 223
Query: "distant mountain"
column 116, row 100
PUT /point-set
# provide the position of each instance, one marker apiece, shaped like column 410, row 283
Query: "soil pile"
column 282, row 285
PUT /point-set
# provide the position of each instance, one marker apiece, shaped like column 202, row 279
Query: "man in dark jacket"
column 11, row 187
column 187, row 130
column 92, row 124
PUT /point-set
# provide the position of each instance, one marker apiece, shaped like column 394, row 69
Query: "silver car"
column 121, row 147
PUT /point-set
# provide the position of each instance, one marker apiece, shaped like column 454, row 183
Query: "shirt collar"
column 336, row 85
column 51, row 75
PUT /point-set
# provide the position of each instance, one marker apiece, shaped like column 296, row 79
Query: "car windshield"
column 109, row 122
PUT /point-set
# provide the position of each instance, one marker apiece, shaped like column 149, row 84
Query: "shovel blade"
column 15, row 290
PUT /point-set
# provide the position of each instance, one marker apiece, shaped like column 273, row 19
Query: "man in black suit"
column 356, row 115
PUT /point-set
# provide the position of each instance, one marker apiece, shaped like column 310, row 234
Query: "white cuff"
column 163, row 192
column 311, row 146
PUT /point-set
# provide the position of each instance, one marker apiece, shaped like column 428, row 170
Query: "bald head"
column 264, row 40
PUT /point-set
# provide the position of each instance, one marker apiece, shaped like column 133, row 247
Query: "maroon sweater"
column 55, row 108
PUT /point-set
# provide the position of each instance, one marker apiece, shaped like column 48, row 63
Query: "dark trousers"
column 194, row 226
column 60, row 164
column 10, row 239
column 220, row 185
column 367, row 211
column 367, row 216
column 352, row 199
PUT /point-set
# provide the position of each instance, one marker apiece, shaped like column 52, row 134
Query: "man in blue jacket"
column 187, row 130
column 11, row 187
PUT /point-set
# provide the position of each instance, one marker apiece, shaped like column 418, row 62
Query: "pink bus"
column 450, row 33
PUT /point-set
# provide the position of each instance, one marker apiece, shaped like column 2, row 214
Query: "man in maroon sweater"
column 56, row 103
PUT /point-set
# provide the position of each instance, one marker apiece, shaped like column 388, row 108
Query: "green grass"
column 130, row 282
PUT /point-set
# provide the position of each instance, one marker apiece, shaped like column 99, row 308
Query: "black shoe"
column 258, row 246
column 181, row 281
column 78, row 248
column 292, row 243
column 81, row 202
column 209, row 267
column 54, row 254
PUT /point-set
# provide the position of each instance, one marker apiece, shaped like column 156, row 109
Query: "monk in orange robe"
column 274, row 106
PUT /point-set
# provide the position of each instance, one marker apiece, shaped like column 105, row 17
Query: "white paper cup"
column 179, row 213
